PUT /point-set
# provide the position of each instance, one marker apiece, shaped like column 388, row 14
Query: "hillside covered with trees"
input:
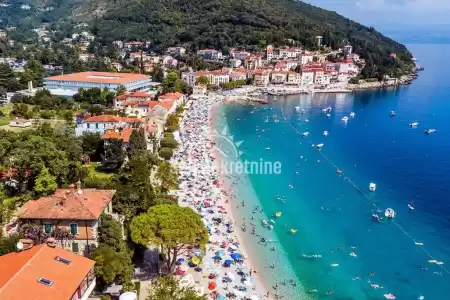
column 219, row 24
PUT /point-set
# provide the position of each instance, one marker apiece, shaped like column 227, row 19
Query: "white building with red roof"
column 99, row 124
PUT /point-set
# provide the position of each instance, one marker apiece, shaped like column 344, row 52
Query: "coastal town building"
column 294, row 78
column 306, row 58
column 261, row 77
column 176, row 50
column 199, row 90
column 239, row 54
column 45, row 272
column 253, row 62
column 238, row 76
column 210, row 54
column 69, row 84
column 307, row 77
column 235, row 62
column 99, row 124
column 134, row 96
column 348, row 49
column 118, row 133
column 279, row 77
column 76, row 210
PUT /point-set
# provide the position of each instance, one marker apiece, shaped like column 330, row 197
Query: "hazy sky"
column 386, row 13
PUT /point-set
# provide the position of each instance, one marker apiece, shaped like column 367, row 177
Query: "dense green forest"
column 218, row 24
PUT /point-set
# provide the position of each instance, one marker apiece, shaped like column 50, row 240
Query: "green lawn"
column 4, row 124
column 6, row 110
column 95, row 173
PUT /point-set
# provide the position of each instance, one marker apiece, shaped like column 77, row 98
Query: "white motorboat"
column 328, row 115
column 325, row 133
column 392, row 113
column 389, row 213
column 319, row 146
column 345, row 119
column 324, row 110
column 329, row 109
column 305, row 133
column 430, row 131
column 372, row 187
column 352, row 115
column 297, row 108
column 414, row 124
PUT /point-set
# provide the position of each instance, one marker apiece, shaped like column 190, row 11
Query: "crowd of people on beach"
column 223, row 269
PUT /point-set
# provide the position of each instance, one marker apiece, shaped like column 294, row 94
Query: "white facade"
column 294, row 78
column 306, row 59
column 307, row 77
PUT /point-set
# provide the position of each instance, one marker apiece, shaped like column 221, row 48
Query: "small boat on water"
column 389, row 213
column 325, row 133
column 324, row 110
column 392, row 113
column 372, row 187
column 319, row 146
column 430, row 131
column 297, row 108
column 339, row 172
column 264, row 223
column 352, row 115
column 267, row 148
column 414, row 124
column 376, row 217
column 345, row 119
column 277, row 214
column 328, row 115
column 293, row 230
column 305, row 134
column 389, row 296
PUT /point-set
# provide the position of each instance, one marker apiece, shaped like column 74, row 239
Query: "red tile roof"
column 123, row 135
column 110, row 119
column 171, row 96
column 21, row 271
column 68, row 204
column 100, row 77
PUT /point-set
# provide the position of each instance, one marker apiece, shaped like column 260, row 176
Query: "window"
column 45, row 281
column 63, row 260
column 74, row 228
column 75, row 247
column 88, row 125
column 96, row 125
column 48, row 228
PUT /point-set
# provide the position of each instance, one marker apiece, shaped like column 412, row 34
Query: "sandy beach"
column 225, row 270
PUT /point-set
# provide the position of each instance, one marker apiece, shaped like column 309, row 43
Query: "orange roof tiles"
column 123, row 135
column 100, row 77
column 171, row 96
column 68, row 204
column 110, row 119
column 21, row 270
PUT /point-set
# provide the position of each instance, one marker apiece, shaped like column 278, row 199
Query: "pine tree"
column 45, row 183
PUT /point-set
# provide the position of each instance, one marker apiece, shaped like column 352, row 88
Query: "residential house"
column 199, row 90
column 218, row 78
column 117, row 65
column 322, row 78
column 210, row 54
column 45, row 272
column 281, row 66
column 137, row 96
column 235, row 62
column 161, row 110
column 279, row 77
column 239, row 54
column 346, row 67
column 85, row 56
column 76, row 210
column 177, row 98
column 133, row 45
column 253, row 62
column 307, row 77
column 294, row 78
column 118, row 133
column 342, row 77
column 148, row 67
column 306, row 58
column 22, row 123
column 100, row 123
column 190, row 77
column 318, row 76
column 176, row 50
column 269, row 52
column 238, row 76
column 169, row 62
column 118, row 43
column 291, row 63
column 261, row 77
column 348, row 49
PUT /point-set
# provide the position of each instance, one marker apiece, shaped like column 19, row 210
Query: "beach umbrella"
column 228, row 262
column 195, row 260
column 221, row 297
column 212, row 285
column 235, row 256
column 180, row 272
column 180, row 260
column 220, row 253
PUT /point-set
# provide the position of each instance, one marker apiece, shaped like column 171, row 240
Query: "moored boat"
column 392, row 113
column 430, row 131
column 372, row 187
column 414, row 124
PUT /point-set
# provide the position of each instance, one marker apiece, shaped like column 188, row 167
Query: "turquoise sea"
column 332, row 216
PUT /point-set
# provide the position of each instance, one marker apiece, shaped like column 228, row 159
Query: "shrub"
column 168, row 135
column 166, row 153
column 169, row 143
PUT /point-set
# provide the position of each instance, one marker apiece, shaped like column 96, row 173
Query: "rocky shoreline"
column 403, row 80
